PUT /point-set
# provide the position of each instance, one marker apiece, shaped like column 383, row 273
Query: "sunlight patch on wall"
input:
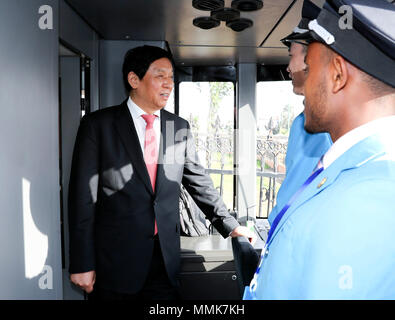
column 36, row 243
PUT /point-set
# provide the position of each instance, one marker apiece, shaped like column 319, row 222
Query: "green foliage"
column 287, row 116
column 218, row 90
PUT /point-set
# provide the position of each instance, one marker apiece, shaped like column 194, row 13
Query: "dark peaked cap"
column 309, row 12
column 369, row 44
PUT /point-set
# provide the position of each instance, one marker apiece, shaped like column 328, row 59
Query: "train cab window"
column 277, row 108
column 209, row 108
column 170, row 103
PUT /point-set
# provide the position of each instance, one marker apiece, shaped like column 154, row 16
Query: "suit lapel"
column 361, row 153
column 125, row 126
column 160, row 175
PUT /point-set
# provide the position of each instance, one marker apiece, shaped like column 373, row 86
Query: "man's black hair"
column 139, row 60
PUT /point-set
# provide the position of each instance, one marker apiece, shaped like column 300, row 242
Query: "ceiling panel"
column 290, row 21
column 211, row 56
column 171, row 20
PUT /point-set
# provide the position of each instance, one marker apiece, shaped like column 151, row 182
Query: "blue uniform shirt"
column 336, row 240
column 303, row 153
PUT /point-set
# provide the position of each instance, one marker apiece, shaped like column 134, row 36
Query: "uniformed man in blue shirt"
column 334, row 239
column 304, row 148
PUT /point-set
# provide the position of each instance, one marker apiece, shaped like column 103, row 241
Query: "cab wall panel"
column 30, row 251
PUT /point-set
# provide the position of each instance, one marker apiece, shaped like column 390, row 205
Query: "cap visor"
column 304, row 38
column 285, row 41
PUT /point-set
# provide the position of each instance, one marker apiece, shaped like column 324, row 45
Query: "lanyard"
column 277, row 220
column 292, row 200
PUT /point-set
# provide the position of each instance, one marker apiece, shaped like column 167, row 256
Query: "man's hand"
column 244, row 232
column 84, row 280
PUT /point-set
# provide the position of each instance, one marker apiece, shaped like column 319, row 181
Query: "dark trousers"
column 156, row 287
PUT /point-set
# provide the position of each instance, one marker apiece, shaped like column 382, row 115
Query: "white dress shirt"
column 136, row 112
column 346, row 141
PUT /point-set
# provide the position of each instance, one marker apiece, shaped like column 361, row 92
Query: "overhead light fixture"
column 247, row 5
column 240, row 24
column 225, row 14
column 208, row 5
column 206, row 22
column 230, row 15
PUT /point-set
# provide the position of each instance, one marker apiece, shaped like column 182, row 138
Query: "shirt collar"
column 137, row 112
column 356, row 135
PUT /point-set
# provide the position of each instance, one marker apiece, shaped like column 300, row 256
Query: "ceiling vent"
column 230, row 15
column 206, row 22
column 239, row 24
column 247, row 5
column 208, row 5
column 225, row 14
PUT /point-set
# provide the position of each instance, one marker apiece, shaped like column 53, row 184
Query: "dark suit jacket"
column 112, row 206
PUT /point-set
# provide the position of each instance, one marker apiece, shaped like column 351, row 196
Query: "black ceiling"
column 171, row 21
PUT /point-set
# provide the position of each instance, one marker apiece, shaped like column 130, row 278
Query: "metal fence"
column 216, row 150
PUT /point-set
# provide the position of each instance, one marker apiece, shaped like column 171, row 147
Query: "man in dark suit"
column 128, row 164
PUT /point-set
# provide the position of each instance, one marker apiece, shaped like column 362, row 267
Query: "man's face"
column 153, row 90
column 296, row 67
column 317, row 111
